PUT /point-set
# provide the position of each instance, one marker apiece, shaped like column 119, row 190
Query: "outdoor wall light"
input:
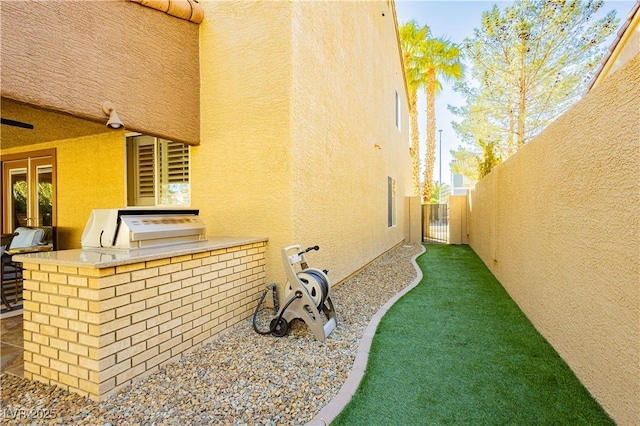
column 114, row 121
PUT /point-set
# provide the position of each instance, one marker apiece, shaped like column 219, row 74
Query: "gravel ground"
column 239, row 378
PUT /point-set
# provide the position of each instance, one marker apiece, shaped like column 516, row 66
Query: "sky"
column 455, row 20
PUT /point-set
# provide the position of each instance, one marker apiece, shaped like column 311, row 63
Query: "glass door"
column 28, row 192
column 16, row 194
column 43, row 192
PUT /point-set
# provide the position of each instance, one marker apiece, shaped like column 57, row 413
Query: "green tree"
column 411, row 39
column 465, row 162
column 428, row 61
column 440, row 193
column 530, row 62
column 20, row 196
column 489, row 158
column 441, row 61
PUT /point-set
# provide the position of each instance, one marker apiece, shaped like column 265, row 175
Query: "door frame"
column 28, row 156
column 435, row 223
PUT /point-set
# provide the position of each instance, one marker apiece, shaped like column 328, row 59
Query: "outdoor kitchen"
column 147, row 286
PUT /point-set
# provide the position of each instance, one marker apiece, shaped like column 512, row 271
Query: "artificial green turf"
column 456, row 350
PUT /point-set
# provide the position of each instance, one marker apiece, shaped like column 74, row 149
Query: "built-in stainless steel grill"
column 129, row 229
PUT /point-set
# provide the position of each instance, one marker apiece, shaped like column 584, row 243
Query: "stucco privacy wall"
column 346, row 72
column 89, row 174
column 72, row 56
column 458, row 219
column 558, row 225
column 630, row 43
column 291, row 111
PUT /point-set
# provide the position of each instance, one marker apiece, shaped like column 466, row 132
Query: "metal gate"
column 435, row 223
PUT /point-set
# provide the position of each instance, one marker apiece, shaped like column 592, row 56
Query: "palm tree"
column 440, row 60
column 436, row 196
column 412, row 39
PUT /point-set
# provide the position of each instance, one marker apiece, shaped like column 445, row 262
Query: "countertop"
column 106, row 258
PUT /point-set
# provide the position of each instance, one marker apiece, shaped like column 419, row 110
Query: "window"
column 398, row 122
column 157, row 172
column 391, row 202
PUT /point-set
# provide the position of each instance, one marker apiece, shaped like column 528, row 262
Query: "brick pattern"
column 93, row 331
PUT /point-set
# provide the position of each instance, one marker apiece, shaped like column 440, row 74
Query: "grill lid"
column 137, row 228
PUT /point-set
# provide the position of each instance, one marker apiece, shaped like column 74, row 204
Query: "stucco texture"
column 558, row 225
column 291, row 111
column 241, row 171
column 70, row 57
column 296, row 116
column 346, row 71
column 90, row 174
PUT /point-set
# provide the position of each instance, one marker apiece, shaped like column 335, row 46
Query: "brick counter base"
column 93, row 331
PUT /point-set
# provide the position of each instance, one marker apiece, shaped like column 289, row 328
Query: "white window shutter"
column 174, row 173
column 145, row 186
column 157, row 172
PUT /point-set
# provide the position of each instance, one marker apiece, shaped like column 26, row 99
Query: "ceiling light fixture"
column 114, row 121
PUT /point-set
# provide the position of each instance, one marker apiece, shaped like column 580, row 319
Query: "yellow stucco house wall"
column 291, row 122
column 558, row 225
column 83, row 180
column 297, row 132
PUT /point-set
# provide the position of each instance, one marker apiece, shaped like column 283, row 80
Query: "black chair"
column 10, row 274
column 23, row 240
